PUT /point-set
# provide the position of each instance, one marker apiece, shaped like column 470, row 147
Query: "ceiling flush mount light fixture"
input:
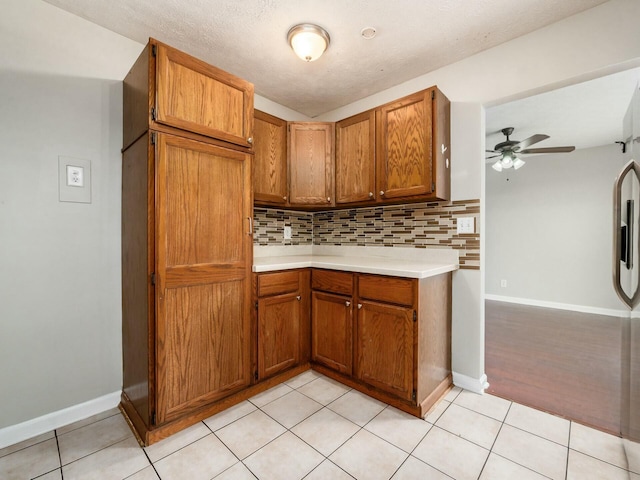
column 308, row 41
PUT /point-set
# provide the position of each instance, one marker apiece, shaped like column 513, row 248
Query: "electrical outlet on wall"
column 75, row 176
column 287, row 232
column 74, row 180
column 503, row 283
column 466, row 225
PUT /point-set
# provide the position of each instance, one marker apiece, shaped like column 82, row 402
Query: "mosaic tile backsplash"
column 417, row 225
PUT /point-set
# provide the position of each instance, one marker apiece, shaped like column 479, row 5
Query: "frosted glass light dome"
column 308, row 41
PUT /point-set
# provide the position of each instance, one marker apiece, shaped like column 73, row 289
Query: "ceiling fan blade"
column 493, row 156
column 492, row 151
column 548, row 150
column 530, row 141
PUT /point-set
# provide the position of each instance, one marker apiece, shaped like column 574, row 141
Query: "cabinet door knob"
column 328, row 199
column 284, row 198
column 382, row 193
column 250, row 140
column 370, row 194
column 359, row 306
column 347, row 303
column 298, row 297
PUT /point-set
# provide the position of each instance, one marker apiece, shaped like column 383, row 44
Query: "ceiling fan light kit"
column 507, row 150
column 308, row 41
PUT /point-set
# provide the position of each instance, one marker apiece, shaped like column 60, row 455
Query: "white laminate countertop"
column 404, row 262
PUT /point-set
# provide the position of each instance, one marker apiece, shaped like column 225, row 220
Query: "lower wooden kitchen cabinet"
column 400, row 330
column 283, row 321
column 332, row 320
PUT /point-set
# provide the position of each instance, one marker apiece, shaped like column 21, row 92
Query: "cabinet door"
column 278, row 333
column 195, row 96
column 355, row 159
column 270, row 159
column 384, row 343
column 404, row 152
column 311, row 163
column 332, row 331
column 203, row 250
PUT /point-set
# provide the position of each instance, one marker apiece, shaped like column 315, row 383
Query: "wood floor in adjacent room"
column 563, row 362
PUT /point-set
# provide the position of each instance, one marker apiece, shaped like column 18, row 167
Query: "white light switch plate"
column 466, row 225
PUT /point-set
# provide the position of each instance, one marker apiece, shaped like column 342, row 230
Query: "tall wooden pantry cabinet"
column 186, row 240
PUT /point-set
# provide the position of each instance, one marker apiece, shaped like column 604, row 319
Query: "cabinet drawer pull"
column 347, row 303
column 298, row 298
column 370, row 194
column 359, row 306
column 382, row 193
column 250, row 140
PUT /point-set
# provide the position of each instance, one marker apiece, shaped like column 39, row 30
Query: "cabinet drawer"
column 278, row 283
column 330, row 281
column 387, row 289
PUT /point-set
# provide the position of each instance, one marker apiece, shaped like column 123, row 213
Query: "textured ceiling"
column 248, row 38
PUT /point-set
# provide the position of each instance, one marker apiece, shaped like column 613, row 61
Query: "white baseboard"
column 560, row 306
column 37, row 426
column 476, row 385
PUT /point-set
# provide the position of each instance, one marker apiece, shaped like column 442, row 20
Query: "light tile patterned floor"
column 314, row 428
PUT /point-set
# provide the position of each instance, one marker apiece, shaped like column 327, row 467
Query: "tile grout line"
column 55, row 433
column 504, row 422
column 433, row 425
column 566, row 472
column 150, row 462
column 493, row 444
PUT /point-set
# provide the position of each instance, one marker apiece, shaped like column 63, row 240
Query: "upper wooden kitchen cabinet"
column 283, row 321
column 168, row 89
column 311, row 164
column 413, row 151
column 270, row 181
column 355, row 159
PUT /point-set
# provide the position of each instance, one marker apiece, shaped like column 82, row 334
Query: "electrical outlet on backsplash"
column 419, row 225
column 268, row 227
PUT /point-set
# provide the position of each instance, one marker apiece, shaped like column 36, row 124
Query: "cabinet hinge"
column 153, row 138
column 153, row 113
column 433, row 187
column 413, row 395
column 154, row 50
column 415, row 316
column 153, row 278
column 153, row 418
column 256, row 305
column 255, row 376
column 433, row 94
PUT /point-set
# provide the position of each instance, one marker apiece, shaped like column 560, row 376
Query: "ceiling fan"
column 508, row 149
